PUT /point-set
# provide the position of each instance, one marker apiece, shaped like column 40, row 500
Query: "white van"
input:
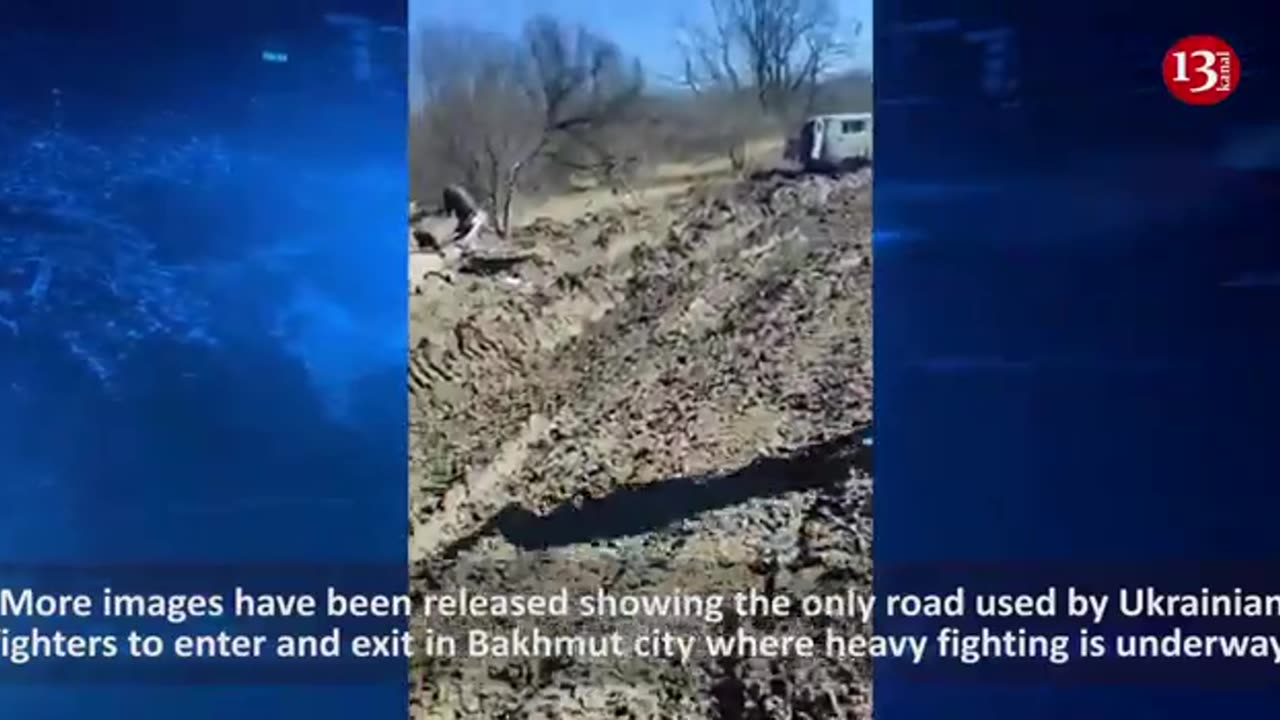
column 833, row 142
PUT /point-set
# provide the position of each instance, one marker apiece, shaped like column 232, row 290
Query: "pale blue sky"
column 644, row 28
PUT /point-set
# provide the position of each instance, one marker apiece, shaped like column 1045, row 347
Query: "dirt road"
column 672, row 396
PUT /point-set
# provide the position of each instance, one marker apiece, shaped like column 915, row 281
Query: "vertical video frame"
column 640, row 368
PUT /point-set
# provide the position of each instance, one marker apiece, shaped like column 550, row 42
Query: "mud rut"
column 667, row 397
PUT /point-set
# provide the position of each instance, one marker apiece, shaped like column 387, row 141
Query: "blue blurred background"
column 202, row 303
column 1076, row 337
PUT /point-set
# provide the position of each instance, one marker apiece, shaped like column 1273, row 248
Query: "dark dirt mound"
column 683, row 405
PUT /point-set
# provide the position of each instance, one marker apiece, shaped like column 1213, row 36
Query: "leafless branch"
column 779, row 49
column 493, row 107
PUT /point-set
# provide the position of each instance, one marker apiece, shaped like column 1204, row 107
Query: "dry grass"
column 654, row 184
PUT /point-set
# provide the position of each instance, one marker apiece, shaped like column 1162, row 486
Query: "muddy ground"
column 661, row 398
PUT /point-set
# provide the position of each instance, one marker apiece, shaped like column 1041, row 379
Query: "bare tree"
column 493, row 109
column 591, row 96
column 777, row 51
column 478, row 121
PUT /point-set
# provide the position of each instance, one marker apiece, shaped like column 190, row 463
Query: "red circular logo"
column 1201, row 70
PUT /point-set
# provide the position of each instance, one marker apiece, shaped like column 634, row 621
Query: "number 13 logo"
column 1201, row 70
